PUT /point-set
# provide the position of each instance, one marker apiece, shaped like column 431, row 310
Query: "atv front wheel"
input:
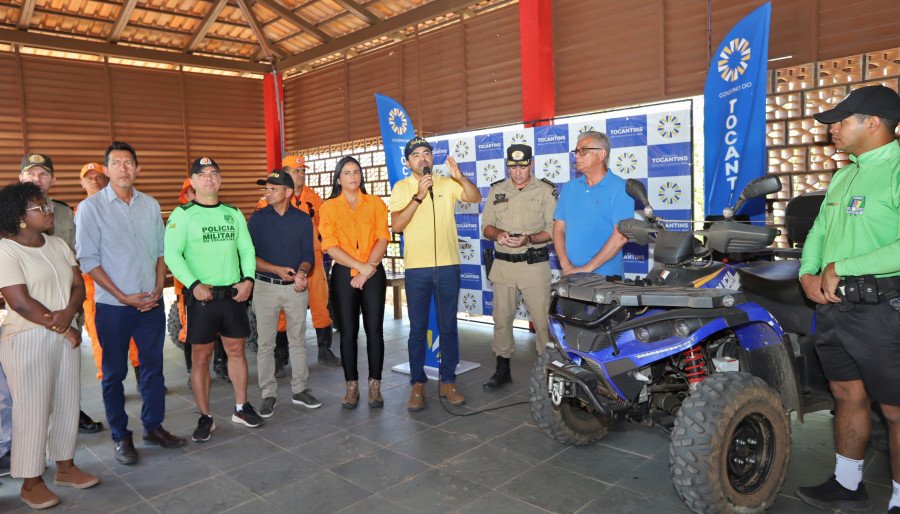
column 173, row 326
column 569, row 423
column 730, row 445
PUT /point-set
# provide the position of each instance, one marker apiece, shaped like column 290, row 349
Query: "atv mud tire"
column 569, row 423
column 730, row 445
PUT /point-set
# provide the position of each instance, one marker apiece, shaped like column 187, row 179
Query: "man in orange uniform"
column 93, row 179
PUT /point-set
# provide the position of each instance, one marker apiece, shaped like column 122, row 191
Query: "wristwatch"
column 416, row 198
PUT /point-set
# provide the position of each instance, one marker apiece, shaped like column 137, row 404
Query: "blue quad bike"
column 718, row 354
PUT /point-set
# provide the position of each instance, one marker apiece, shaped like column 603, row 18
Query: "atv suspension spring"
column 694, row 364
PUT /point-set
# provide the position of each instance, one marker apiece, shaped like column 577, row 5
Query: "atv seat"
column 776, row 286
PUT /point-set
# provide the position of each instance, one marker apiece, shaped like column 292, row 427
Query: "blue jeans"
column 5, row 415
column 443, row 283
column 116, row 325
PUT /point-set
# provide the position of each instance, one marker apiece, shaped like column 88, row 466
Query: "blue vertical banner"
column 735, row 114
column 396, row 129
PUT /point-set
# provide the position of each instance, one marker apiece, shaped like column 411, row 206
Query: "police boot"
column 282, row 355
column 500, row 377
column 326, row 356
column 220, row 362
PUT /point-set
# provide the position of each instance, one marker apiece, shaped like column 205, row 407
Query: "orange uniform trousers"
column 90, row 315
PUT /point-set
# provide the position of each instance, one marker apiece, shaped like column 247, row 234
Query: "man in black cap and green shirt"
column 285, row 254
column 209, row 250
column 518, row 217
column 851, row 268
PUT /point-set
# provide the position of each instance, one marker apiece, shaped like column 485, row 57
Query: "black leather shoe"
column 125, row 452
column 86, row 425
column 161, row 437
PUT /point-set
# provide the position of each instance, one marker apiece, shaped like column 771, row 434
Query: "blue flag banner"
column 734, row 126
column 396, row 130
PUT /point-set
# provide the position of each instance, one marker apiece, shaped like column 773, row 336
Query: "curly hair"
column 336, row 183
column 14, row 200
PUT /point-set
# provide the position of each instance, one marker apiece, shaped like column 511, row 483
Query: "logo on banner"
column 466, row 251
column 669, row 193
column 552, row 169
column 469, row 302
column 397, row 121
column 585, row 128
column 461, row 150
column 669, row 126
column 521, row 309
column 518, row 139
column 551, row 139
column 489, row 146
column 491, row 173
column 734, row 59
column 626, row 163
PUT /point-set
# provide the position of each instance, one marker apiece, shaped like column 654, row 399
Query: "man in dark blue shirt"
column 283, row 237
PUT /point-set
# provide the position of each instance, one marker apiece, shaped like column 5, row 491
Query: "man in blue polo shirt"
column 283, row 237
column 584, row 229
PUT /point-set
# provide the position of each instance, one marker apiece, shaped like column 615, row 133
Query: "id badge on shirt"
column 857, row 205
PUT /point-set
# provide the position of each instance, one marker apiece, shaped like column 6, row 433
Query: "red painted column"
column 273, row 102
column 536, row 51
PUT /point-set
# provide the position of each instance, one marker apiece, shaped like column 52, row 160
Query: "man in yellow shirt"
column 423, row 208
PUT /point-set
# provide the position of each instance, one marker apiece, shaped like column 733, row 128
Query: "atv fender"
column 772, row 362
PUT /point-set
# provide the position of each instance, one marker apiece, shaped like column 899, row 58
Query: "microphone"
column 427, row 171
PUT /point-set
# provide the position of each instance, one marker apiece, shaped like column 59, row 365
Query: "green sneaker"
column 268, row 407
column 306, row 399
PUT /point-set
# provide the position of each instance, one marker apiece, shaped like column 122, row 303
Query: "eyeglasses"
column 47, row 208
column 584, row 150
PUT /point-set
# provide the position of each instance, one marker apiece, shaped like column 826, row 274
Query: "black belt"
column 276, row 281
column 868, row 289
column 222, row 292
column 531, row 256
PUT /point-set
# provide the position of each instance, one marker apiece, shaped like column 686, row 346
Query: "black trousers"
column 349, row 303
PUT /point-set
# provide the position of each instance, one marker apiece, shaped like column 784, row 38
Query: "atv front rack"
column 598, row 289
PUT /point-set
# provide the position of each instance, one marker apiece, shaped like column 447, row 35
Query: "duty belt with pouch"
column 487, row 256
column 870, row 290
column 531, row 255
column 217, row 292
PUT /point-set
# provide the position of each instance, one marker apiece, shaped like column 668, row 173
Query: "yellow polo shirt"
column 430, row 238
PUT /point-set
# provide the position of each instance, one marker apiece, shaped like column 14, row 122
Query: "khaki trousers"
column 268, row 301
column 534, row 282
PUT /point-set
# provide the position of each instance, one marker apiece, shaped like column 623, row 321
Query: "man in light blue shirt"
column 119, row 243
column 584, row 231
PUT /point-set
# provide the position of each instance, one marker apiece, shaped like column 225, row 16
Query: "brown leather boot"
column 375, row 398
column 453, row 396
column 39, row 497
column 352, row 397
column 76, row 478
column 416, row 398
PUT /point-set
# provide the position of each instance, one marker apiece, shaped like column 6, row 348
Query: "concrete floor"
column 388, row 460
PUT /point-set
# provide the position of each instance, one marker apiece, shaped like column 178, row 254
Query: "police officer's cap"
column 878, row 101
column 518, row 155
column 416, row 142
column 203, row 162
column 32, row 160
column 277, row 178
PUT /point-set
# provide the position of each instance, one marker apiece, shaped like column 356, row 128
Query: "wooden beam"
column 289, row 16
column 122, row 21
column 359, row 11
column 412, row 17
column 214, row 10
column 257, row 30
column 67, row 44
column 25, row 14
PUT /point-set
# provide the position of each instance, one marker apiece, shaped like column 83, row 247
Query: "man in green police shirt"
column 209, row 250
column 851, row 269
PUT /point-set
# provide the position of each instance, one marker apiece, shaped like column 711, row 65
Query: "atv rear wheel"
column 569, row 423
column 730, row 445
column 173, row 326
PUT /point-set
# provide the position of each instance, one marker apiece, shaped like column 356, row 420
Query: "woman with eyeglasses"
column 43, row 289
column 354, row 230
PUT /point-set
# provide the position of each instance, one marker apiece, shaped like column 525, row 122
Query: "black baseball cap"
column 518, row 155
column 416, row 142
column 878, row 101
column 277, row 178
column 36, row 159
column 203, row 162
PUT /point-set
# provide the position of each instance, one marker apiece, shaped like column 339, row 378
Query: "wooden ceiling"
column 254, row 36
